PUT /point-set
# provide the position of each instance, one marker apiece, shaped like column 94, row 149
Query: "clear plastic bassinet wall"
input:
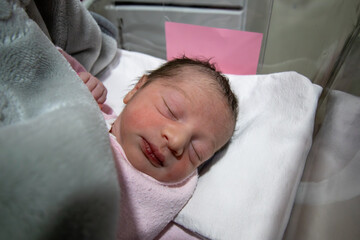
column 321, row 40
column 317, row 38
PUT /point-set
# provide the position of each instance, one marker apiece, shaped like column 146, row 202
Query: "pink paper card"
column 233, row 51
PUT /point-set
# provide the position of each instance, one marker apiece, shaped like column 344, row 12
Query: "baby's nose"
column 178, row 139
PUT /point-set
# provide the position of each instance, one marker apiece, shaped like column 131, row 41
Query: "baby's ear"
column 138, row 85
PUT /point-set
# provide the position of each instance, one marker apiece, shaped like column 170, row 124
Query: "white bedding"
column 248, row 190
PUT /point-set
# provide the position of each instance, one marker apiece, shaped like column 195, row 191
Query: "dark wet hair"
column 174, row 67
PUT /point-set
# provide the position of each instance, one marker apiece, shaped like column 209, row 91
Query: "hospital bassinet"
column 290, row 173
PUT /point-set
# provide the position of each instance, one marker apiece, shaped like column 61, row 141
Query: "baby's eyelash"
column 196, row 152
column 169, row 109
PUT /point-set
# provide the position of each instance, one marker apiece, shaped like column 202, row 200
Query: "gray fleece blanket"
column 57, row 175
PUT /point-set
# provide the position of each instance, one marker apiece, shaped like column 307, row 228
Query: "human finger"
column 85, row 76
column 92, row 83
column 99, row 92
column 102, row 98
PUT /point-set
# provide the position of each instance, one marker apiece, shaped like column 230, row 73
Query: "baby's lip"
column 152, row 153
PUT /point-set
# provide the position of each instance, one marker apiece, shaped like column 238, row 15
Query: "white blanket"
column 249, row 190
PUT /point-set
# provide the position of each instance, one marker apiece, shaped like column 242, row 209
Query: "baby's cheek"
column 182, row 169
column 135, row 117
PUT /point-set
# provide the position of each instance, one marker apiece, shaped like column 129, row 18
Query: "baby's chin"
column 169, row 178
column 161, row 174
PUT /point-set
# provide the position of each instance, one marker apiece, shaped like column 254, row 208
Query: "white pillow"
column 248, row 189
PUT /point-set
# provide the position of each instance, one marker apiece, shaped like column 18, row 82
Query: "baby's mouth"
column 152, row 154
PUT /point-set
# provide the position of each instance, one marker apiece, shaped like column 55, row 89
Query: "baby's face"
column 168, row 128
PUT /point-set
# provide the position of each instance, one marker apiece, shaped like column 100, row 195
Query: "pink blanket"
column 147, row 205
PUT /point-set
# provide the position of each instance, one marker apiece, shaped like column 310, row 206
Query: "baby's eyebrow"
column 178, row 89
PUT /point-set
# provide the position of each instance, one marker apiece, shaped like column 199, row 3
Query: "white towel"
column 249, row 190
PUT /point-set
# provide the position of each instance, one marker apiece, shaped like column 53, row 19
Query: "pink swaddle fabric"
column 147, row 205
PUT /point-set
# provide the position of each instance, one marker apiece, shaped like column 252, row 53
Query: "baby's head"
column 176, row 118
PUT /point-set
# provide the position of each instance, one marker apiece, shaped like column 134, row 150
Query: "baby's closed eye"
column 194, row 154
column 169, row 112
